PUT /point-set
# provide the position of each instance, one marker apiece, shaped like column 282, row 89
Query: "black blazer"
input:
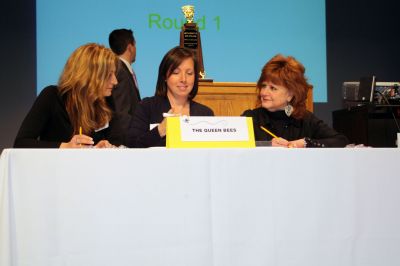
column 290, row 128
column 150, row 111
column 126, row 96
column 47, row 124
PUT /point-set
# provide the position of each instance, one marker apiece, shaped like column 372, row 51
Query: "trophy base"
column 206, row 80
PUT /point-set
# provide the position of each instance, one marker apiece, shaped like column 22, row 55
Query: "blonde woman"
column 76, row 113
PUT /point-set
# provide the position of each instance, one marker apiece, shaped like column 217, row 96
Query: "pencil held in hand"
column 269, row 132
column 80, row 134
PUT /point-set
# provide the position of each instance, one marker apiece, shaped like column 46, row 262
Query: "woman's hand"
column 162, row 127
column 78, row 141
column 280, row 142
column 299, row 143
column 104, row 144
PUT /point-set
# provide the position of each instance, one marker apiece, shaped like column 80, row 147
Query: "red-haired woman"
column 282, row 94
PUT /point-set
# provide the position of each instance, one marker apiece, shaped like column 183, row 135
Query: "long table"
column 219, row 207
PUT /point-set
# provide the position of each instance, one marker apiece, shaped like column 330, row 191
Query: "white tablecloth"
column 203, row 207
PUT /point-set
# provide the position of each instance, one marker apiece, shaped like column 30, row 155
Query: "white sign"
column 214, row 128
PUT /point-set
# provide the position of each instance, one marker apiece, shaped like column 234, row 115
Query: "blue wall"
column 238, row 38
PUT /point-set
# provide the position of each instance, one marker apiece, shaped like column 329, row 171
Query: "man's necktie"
column 134, row 78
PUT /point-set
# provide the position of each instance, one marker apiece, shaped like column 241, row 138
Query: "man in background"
column 126, row 93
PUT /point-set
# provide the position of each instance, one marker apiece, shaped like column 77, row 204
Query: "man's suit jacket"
column 126, row 96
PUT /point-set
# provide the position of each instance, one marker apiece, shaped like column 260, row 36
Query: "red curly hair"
column 289, row 73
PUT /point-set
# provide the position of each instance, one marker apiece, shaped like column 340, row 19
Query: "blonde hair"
column 82, row 82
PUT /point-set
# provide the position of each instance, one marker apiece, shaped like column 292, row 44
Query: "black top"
column 289, row 128
column 47, row 124
column 150, row 111
column 126, row 96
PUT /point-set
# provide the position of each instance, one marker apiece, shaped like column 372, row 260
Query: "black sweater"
column 290, row 128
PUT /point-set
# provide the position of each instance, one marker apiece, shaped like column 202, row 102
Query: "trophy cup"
column 190, row 37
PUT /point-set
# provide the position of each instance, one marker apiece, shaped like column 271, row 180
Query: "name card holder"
column 210, row 132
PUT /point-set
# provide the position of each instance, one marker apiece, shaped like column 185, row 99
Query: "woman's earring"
column 288, row 109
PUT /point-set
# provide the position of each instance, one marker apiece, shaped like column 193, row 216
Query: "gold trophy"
column 190, row 37
column 188, row 12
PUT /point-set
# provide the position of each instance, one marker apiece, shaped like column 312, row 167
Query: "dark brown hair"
column 169, row 63
column 289, row 73
column 119, row 40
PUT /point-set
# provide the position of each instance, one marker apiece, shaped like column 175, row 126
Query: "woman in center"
column 177, row 85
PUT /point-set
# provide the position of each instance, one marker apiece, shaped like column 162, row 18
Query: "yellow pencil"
column 80, row 134
column 269, row 132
